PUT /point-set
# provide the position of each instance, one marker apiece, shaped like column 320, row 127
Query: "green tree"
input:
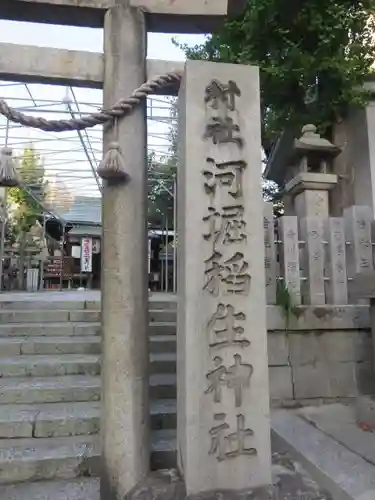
column 27, row 208
column 25, row 200
column 314, row 57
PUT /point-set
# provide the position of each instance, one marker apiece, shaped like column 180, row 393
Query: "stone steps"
column 49, row 420
column 71, row 489
column 46, row 459
column 75, row 305
column 50, row 365
column 32, row 390
column 49, row 329
column 59, row 300
column 163, row 362
column 163, row 386
column 69, row 388
column 61, row 315
column 165, row 305
column 72, row 364
column 72, row 388
column 48, row 316
column 30, row 459
column 49, row 345
column 46, row 305
column 50, row 396
column 166, row 316
column 162, row 344
column 163, row 414
column 163, row 449
column 162, row 328
column 55, row 329
column 70, row 419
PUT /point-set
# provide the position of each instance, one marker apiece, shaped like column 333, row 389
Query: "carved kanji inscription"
column 226, row 445
column 236, row 377
column 229, row 276
column 224, row 328
column 217, row 94
column 223, row 131
column 224, row 174
column 226, row 226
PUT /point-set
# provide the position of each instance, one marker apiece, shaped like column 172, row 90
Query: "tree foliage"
column 27, row 209
column 313, row 57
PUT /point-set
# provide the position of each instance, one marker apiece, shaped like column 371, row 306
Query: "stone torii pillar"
column 125, row 410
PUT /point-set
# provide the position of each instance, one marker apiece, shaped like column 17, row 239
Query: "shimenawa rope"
column 112, row 165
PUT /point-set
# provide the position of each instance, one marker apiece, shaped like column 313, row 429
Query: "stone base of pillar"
column 168, row 485
column 159, row 485
column 290, row 482
column 263, row 493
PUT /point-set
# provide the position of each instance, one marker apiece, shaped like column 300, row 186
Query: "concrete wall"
column 311, row 363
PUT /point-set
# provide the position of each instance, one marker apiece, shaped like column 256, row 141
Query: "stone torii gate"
column 123, row 68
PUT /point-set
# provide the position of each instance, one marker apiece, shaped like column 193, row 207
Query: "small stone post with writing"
column 223, row 398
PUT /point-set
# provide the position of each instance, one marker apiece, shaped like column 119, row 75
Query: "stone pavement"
column 339, row 422
column 290, row 479
column 332, row 447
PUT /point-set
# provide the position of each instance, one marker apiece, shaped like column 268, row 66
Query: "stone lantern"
column 309, row 179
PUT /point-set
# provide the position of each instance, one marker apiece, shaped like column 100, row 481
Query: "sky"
column 63, row 154
column 73, row 38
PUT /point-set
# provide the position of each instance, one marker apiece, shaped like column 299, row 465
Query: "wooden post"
column 125, row 412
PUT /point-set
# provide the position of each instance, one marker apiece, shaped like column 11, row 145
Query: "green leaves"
column 32, row 174
column 313, row 56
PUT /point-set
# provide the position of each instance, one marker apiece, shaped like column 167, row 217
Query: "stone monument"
column 223, row 401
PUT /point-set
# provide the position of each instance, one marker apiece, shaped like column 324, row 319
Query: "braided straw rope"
column 120, row 109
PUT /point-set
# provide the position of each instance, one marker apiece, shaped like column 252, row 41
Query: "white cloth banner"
column 86, row 255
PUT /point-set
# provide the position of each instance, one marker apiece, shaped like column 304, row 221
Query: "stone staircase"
column 50, row 392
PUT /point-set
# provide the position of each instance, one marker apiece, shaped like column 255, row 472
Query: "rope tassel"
column 8, row 174
column 112, row 166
